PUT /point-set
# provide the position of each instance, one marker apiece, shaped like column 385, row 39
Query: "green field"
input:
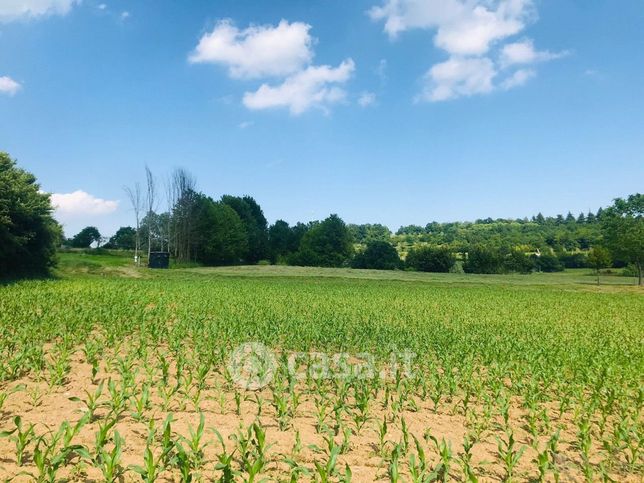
column 541, row 374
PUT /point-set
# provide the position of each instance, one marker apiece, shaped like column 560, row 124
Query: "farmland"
column 111, row 373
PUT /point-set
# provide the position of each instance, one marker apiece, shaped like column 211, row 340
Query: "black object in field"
column 159, row 260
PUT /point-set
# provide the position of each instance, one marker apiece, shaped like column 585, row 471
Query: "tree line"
column 196, row 228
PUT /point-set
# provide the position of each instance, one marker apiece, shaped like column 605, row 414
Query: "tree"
column 325, row 244
column 183, row 196
column 280, row 240
column 85, row 237
column 28, row 232
column 255, row 224
column 482, row 259
column 598, row 258
column 221, row 235
column 123, row 239
column 431, row 259
column 136, row 200
column 379, row 255
column 623, row 230
column 547, row 262
column 150, row 201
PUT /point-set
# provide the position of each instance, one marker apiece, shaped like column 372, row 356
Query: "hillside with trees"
column 233, row 230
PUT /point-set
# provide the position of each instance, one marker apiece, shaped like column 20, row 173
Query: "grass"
column 516, row 377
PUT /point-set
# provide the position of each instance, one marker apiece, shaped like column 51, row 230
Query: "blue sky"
column 390, row 111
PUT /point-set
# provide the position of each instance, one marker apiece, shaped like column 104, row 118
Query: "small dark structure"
column 159, row 260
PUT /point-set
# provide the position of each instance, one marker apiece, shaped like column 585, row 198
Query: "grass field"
column 111, row 372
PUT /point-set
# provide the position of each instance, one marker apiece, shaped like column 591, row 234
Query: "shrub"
column 481, row 259
column 548, row 263
column 379, row 255
column 431, row 259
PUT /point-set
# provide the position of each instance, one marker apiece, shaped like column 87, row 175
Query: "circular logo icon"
column 252, row 366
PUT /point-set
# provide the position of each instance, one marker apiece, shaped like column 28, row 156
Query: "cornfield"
column 111, row 379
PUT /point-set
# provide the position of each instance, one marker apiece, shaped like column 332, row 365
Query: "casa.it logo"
column 252, row 366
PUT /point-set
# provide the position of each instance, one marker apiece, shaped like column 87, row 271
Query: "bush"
column 518, row 261
column 548, row 263
column 379, row 255
column 430, row 259
column 574, row 260
column 482, row 259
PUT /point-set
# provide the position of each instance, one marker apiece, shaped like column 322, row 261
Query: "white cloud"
column 315, row 86
column 102, row 6
column 519, row 78
column 9, row 86
column 125, row 15
column 16, row 9
column 79, row 203
column 257, row 51
column 458, row 77
column 463, row 27
column 366, row 99
column 523, row 52
column 472, row 33
column 245, row 124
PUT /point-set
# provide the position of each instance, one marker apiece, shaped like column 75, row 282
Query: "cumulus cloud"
column 79, row 203
column 469, row 32
column 257, row 51
column 463, row 27
column 9, row 86
column 366, row 99
column 458, row 77
column 523, row 52
column 16, row 9
column 519, row 78
column 282, row 56
column 315, row 86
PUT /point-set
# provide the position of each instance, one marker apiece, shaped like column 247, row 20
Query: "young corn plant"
column 21, row 438
column 509, row 455
column 109, row 462
column 91, row 401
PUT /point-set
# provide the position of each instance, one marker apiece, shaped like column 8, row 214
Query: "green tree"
column 623, row 230
column 379, row 255
column 254, row 223
column 430, row 259
column 85, row 237
column 280, row 240
column 547, row 262
column 28, row 232
column 483, row 259
column 221, row 236
column 123, row 239
column 325, row 244
column 598, row 258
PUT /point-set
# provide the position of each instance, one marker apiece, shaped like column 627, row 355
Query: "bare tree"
column 182, row 189
column 150, row 201
column 136, row 200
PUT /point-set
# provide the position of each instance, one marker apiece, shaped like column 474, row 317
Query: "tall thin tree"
column 150, row 201
column 136, row 200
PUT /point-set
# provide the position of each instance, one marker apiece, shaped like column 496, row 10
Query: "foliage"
column 623, row 230
column 483, row 259
column 255, row 225
column 123, row 239
column 431, row 259
column 85, row 237
column 28, row 233
column 547, row 262
column 379, row 255
column 326, row 244
column 222, row 236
